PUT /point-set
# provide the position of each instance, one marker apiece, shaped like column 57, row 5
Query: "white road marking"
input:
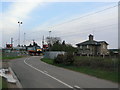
column 77, row 87
column 47, row 74
column 45, row 71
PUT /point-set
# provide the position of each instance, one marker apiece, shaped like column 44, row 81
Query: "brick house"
column 92, row 47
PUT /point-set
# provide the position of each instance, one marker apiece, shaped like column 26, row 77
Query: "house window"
column 87, row 46
column 103, row 46
column 80, row 47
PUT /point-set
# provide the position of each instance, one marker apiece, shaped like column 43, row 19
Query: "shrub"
column 82, row 61
column 59, row 59
column 97, row 62
column 67, row 59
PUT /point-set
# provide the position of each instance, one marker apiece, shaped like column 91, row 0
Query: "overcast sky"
column 72, row 21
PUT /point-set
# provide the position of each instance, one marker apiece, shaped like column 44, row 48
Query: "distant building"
column 114, row 52
column 92, row 47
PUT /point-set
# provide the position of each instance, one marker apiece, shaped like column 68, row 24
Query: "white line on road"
column 77, row 87
column 47, row 74
column 45, row 71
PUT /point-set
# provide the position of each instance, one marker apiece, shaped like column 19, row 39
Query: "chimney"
column 90, row 37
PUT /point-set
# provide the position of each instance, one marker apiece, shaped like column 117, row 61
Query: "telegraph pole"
column 19, row 33
column 50, row 37
column 11, row 41
column 43, row 41
column 24, row 38
column 49, row 40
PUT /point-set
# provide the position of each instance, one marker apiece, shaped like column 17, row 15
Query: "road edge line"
column 47, row 74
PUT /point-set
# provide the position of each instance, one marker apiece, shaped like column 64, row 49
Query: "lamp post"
column 50, row 36
column 24, row 38
column 19, row 22
column 49, row 40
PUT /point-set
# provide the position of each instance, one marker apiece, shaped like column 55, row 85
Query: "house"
column 92, row 47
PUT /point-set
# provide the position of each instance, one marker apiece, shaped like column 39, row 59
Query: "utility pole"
column 33, row 41
column 24, row 38
column 11, row 40
column 43, row 41
column 49, row 40
column 50, row 37
column 19, row 33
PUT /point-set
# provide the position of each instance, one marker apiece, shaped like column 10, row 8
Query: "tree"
column 63, row 43
column 30, row 45
column 52, row 40
column 63, row 47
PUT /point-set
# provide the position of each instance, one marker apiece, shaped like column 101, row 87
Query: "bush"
column 97, row 62
column 82, row 61
column 59, row 59
column 67, row 59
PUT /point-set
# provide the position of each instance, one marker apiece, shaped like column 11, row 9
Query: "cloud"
column 18, row 11
column 102, row 24
column 61, row 0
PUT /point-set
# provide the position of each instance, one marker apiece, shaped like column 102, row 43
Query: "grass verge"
column 3, row 83
column 12, row 57
column 103, row 74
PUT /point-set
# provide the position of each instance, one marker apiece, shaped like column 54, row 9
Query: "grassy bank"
column 108, row 75
column 12, row 57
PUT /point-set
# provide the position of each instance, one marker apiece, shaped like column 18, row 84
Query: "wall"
column 104, row 50
column 52, row 54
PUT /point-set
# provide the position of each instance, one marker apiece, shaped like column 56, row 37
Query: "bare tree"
column 52, row 40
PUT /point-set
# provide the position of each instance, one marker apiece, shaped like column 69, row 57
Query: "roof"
column 88, row 42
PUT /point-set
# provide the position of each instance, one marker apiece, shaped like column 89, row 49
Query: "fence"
column 52, row 54
column 14, row 54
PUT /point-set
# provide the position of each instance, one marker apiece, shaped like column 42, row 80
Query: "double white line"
column 47, row 74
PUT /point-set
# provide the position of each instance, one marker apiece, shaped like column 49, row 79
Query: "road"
column 34, row 73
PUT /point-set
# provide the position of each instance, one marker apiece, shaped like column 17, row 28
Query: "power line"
column 88, row 30
column 80, row 17
column 68, row 34
column 87, row 15
column 75, row 20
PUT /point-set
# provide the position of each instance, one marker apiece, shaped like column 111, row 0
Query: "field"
column 97, row 72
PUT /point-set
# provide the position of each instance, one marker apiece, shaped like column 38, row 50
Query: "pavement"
column 33, row 73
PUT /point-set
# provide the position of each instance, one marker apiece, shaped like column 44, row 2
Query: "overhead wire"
column 72, row 21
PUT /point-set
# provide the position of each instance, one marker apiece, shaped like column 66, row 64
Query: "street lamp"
column 49, row 33
column 19, row 33
column 49, row 40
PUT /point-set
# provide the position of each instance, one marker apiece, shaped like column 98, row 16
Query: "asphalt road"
column 34, row 73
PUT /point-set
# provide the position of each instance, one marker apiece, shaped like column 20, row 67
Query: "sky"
column 71, row 21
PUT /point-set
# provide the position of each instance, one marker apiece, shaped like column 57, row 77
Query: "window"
column 103, row 46
column 87, row 46
column 80, row 47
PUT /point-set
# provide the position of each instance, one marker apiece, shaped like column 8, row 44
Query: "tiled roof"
column 88, row 42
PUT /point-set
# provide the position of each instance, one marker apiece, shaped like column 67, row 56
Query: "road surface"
column 34, row 73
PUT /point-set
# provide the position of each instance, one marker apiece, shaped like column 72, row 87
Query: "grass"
column 0, row 83
column 12, row 57
column 3, row 83
column 103, row 74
